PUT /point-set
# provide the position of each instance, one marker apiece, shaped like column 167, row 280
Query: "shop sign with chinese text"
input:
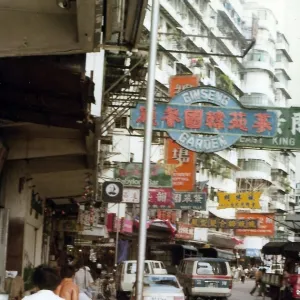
column 131, row 195
column 266, row 224
column 130, row 174
column 287, row 136
column 206, row 128
column 170, row 215
column 183, row 177
column 160, row 198
column 239, row 200
column 193, row 200
column 182, row 82
column 184, row 231
column 225, row 223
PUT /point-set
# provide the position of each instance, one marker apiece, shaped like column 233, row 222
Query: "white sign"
column 131, row 196
column 200, row 234
column 112, row 190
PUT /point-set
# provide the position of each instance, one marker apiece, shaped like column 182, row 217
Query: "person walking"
column 83, row 279
column 67, row 289
column 46, row 280
column 258, row 281
column 243, row 275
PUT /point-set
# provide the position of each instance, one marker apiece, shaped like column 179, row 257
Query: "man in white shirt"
column 83, row 278
column 46, row 280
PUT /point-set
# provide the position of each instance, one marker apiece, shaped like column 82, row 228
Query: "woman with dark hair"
column 67, row 289
column 46, row 280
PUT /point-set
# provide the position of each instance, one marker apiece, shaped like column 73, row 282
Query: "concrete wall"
column 24, row 235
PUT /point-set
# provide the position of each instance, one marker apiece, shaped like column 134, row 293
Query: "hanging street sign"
column 112, row 192
column 130, row 175
column 191, row 200
column 225, row 223
column 206, row 128
column 239, row 200
column 287, row 136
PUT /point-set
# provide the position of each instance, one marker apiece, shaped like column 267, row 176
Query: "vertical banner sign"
column 183, row 179
column 180, row 83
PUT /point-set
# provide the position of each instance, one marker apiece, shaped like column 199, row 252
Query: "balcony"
column 283, row 45
column 281, row 183
column 259, row 59
column 278, row 206
column 254, row 169
column 256, row 99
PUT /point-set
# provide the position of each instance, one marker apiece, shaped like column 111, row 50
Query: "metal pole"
column 147, row 150
column 117, row 235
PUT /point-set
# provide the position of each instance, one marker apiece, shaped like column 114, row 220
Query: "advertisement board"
column 239, row 200
column 266, row 224
column 183, row 178
column 216, row 223
column 184, row 231
column 130, row 175
column 208, row 128
column 192, row 200
column 161, row 198
column 182, row 82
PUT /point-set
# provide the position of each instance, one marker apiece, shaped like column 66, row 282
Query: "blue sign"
column 204, row 127
column 253, row 252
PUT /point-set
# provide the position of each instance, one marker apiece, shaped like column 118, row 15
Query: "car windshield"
column 211, row 268
column 161, row 280
column 131, row 268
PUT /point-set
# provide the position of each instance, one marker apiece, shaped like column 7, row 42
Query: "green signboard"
column 288, row 133
column 130, row 175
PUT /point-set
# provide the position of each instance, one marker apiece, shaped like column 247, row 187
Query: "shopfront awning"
column 273, row 248
column 217, row 253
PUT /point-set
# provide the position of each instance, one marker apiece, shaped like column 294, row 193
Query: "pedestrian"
column 67, row 289
column 258, row 281
column 46, row 280
column 83, row 279
column 243, row 275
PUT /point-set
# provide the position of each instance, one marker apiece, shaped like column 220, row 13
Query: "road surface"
column 242, row 291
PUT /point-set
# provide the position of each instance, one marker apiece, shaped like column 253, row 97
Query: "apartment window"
column 121, row 122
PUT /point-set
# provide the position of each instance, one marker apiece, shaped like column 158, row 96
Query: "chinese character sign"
column 131, row 195
column 184, row 231
column 287, row 135
column 180, row 83
column 192, row 200
column 220, row 126
column 160, row 198
column 248, row 200
column 265, row 221
column 183, row 178
column 170, row 215
column 130, row 174
column 225, row 223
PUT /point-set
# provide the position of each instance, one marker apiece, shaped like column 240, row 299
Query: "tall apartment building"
column 261, row 77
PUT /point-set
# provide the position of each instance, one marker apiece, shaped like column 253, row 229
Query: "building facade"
column 259, row 79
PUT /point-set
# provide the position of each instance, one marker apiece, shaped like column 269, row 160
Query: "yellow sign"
column 239, row 200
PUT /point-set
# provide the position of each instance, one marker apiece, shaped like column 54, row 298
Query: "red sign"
column 265, row 226
column 182, row 82
column 183, row 179
column 184, row 231
column 170, row 215
column 161, row 198
column 126, row 226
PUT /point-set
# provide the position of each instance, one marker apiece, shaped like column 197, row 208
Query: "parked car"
column 162, row 287
column 126, row 275
column 208, row 278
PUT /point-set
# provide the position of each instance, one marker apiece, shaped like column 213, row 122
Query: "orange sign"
column 182, row 82
column 265, row 226
column 183, row 177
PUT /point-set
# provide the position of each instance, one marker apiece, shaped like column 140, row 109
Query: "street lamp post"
column 147, row 150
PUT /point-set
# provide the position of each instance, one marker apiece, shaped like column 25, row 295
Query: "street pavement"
column 241, row 291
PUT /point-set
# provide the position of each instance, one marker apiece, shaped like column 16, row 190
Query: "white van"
column 126, row 275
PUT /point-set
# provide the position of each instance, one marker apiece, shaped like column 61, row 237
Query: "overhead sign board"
column 112, row 192
column 239, row 200
column 287, row 136
column 192, row 200
column 183, row 177
column 206, row 128
column 224, row 223
column 130, row 175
